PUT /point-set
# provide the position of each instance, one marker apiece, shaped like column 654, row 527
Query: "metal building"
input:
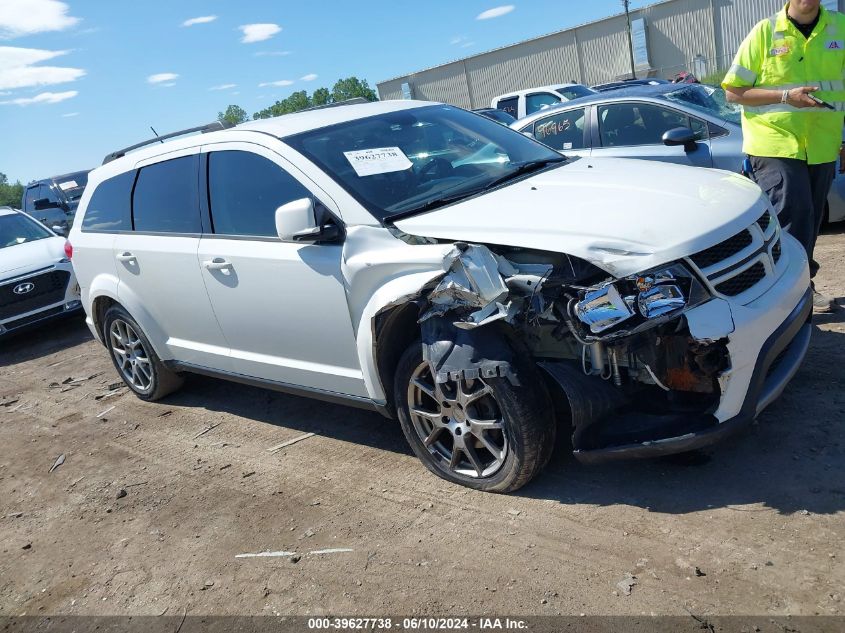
column 700, row 36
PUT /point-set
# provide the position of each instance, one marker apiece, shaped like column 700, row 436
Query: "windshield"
column 707, row 99
column 17, row 229
column 573, row 92
column 73, row 185
column 413, row 160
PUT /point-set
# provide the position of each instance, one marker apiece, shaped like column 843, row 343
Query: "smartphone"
column 824, row 104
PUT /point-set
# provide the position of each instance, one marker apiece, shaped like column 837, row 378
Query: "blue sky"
column 80, row 78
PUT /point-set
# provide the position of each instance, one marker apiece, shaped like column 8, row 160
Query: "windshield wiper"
column 435, row 204
column 521, row 168
column 524, row 168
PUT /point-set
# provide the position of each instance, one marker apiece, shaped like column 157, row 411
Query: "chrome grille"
column 745, row 261
column 743, row 281
column 723, row 250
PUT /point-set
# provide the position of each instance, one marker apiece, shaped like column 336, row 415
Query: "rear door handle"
column 126, row 257
column 218, row 263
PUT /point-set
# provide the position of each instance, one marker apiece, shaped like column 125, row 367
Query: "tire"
column 508, row 456
column 135, row 359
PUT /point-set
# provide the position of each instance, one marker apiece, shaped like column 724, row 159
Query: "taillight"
column 68, row 250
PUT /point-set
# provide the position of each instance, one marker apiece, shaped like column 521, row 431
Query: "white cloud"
column 18, row 70
column 258, row 32
column 224, row 87
column 67, row 115
column 467, row 44
column 495, row 12
column 272, row 53
column 309, row 77
column 44, row 97
column 203, row 19
column 24, row 17
column 458, row 39
column 162, row 78
column 276, row 84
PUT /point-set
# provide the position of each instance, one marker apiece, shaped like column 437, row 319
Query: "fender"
column 108, row 285
column 381, row 271
column 103, row 285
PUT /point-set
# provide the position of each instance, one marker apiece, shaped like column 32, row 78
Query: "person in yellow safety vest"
column 786, row 65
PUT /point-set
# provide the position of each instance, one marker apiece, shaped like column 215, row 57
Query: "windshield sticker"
column 70, row 184
column 379, row 160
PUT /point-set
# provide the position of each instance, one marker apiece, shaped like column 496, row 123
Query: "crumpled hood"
column 29, row 256
column 624, row 216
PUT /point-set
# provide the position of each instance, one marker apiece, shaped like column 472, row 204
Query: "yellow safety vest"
column 776, row 55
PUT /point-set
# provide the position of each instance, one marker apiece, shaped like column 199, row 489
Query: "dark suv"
column 53, row 201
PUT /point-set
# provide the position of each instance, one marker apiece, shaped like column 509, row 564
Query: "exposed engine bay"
column 620, row 349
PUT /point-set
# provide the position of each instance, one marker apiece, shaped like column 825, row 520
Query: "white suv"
column 431, row 264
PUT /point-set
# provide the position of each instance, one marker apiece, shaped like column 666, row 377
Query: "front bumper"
column 60, row 304
column 779, row 359
column 768, row 338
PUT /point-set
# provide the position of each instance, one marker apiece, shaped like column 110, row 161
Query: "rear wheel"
column 485, row 434
column 134, row 357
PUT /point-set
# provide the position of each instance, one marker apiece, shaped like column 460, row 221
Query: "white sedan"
column 36, row 278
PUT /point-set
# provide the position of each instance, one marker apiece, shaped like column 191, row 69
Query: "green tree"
column 10, row 194
column 352, row 87
column 234, row 114
column 344, row 89
column 294, row 103
column 321, row 96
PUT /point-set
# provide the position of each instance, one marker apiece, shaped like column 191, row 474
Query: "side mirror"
column 296, row 222
column 58, row 229
column 45, row 203
column 528, row 134
column 680, row 136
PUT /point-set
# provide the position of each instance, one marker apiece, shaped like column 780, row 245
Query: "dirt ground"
column 147, row 514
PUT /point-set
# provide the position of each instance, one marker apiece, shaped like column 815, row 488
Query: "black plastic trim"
column 334, row 397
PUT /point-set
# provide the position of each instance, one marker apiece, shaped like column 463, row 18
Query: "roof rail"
column 346, row 102
column 210, row 127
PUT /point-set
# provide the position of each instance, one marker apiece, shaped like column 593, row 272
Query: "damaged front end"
column 633, row 371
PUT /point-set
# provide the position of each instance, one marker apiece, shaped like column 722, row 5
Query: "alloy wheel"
column 459, row 422
column 131, row 355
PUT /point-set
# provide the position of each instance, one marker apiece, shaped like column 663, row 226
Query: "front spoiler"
column 779, row 359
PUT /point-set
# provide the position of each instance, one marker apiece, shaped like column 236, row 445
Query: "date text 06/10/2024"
column 417, row 624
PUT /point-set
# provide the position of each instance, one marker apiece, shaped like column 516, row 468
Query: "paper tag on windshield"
column 380, row 160
column 709, row 90
column 70, row 184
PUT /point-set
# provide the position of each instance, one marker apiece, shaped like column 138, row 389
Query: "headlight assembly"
column 640, row 300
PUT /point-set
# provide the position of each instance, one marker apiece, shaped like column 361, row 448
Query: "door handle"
column 126, row 257
column 218, row 263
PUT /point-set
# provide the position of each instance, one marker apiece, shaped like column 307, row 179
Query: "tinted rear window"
column 509, row 105
column 109, row 207
column 574, row 92
column 166, row 197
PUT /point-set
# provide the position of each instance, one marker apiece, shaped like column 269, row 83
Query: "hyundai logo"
column 22, row 289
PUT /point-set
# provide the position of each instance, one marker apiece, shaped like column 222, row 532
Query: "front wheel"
column 485, row 434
